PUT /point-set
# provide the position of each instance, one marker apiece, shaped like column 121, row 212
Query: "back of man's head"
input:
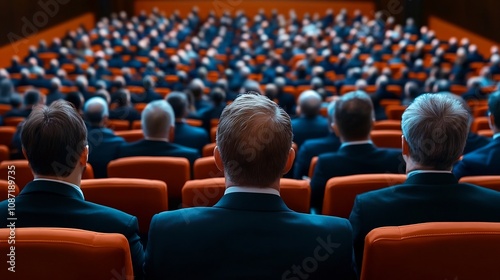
column 218, row 96
column 32, row 97
column 310, row 103
column 122, row 97
column 411, row 89
column 435, row 126
column 157, row 119
column 53, row 139
column 179, row 102
column 95, row 111
column 494, row 107
column 76, row 99
column 196, row 87
column 442, row 86
column 254, row 138
column 353, row 116
column 148, row 82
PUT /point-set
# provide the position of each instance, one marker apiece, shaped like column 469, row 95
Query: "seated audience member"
column 262, row 238
column 315, row 147
column 352, row 122
column 54, row 198
column 76, row 98
column 124, row 109
column 149, row 93
column 431, row 193
column 54, row 91
column 6, row 91
column 410, row 92
column 285, row 100
column 484, row 161
column 218, row 100
column 103, row 143
column 197, row 89
column 157, row 121
column 185, row 134
column 309, row 124
column 31, row 98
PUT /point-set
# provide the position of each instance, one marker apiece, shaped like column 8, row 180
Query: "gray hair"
column 157, row 119
column 95, row 110
column 435, row 127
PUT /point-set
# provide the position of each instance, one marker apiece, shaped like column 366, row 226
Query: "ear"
column 491, row 121
column 84, row 157
column 404, row 146
column 218, row 160
column 289, row 161
column 335, row 129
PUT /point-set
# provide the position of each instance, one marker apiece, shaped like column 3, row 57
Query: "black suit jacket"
column 157, row 148
column 351, row 160
column 475, row 142
column 248, row 236
column 424, row 197
column 103, row 148
column 190, row 136
column 483, row 161
column 312, row 148
column 309, row 128
column 53, row 204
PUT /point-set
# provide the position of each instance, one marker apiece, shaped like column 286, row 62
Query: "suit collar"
column 252, row 202
column 51, row 187
column 432, row 179
column 358, row 148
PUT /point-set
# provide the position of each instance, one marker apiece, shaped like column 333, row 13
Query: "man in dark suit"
column 310, row 124
column 353, row 122
column 103, row 143
column 55, row 143
column 484, row 161
column 435, row 129
column 124, row 109
column 157, row 122
column 31, row 98
column 250, row 233
column 185, row 134
column 54, row 91
column 315, row 147
column 149, row 92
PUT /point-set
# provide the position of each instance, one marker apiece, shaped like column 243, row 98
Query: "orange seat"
column 118, row 125
column 7, row 188
column 387, row 125
column 314, row 161
column 395, row 89
column 213, row 134
column 135, row 89
column 6, row 135
column 63, row 253
column 208, row 150
column 206, row 192
column 163, row 91
column 13, row 121
column 137, row 124
column 4, row 153
column 458, row 89
column 387, row 102
column 194, row 122
column 174, row 171
column 346, row 89
column 480, row 123
column 129, row 196
column 205, row 167
column 386, row 138
column 395, row 112
column 487, row 181
column 444, row 250
column 480, row 111
column 214, row 123
column 485, row 132
column 340, row 192
column 131, row 135
column 4, row 108
column 140, row 107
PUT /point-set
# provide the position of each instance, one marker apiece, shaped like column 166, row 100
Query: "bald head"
column 95, row 111
column 157, row 119
column 310, row 103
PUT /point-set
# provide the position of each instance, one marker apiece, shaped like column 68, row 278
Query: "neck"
column 412, row 166
column 344, row 140
column 275, row 185
column 73, row 178
column 152, row 138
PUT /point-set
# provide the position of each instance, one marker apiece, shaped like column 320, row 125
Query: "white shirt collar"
column 415, row 172
column 496, row 135
column 238, row 189
column 62, row 182
column 156, row 139
column 356, row 143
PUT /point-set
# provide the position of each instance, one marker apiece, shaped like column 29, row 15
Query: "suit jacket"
column 103, row 148
column 475, row 142
column 190, row 136
column 351, row 160
column 128, row 113
column 312, row 148
column 157, row 148
column 483, row 161
column 309, row 128
column 424, row 197
column 53, row 204
column 248, row 236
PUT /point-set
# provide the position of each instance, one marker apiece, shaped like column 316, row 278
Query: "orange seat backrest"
column 395, row 112
column 13, row 121
column 314, row 161
column 7, row 188
column 387, row 125
column 4, row 108
column 118, row 125
column 490, row 181
column 131, row 135
column 4, row 153
column 386, row 138
column 206, row 192
column 63, row 253
column 480, row 123
column 22, row 172
column 205, row 167
column 208, row 150
column 174, row 171
column 129, row 196
column 6, row 135
column 340, row 192
column 444, row 250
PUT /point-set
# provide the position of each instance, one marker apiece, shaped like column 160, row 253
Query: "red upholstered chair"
column 394, row 112
column 208, row 150
column 118, row 125
column 6, row 189
column 174, row 171
column 480, row 123
column 130, row 196
column 13, row 121
column 387, row 125
column 446, row 250
column 62, row 253
column 131, row 135
column 340, row 192
column 4, row 153
column 490, row 182
column 205, row 167
column 386, row 138
column 6, row 135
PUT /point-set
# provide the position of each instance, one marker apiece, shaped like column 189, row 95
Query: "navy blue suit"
column 247, row 236
column 312, row 148
column 483, row 161
column 190, row 136
column 54, row 204
column 475, row 142
column 351, row 160
column 103, row 148
column 128, row 113
column 424, row 197
column 309, row 128
column 157, row 148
